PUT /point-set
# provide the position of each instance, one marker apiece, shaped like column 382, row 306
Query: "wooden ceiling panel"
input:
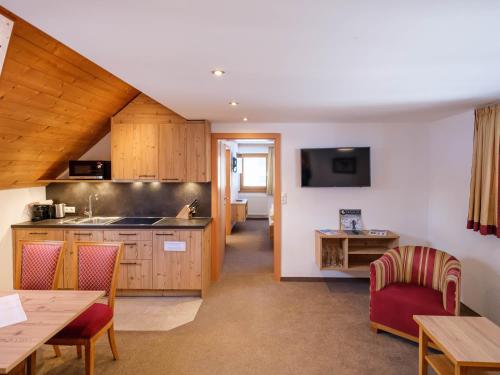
column 54, row 105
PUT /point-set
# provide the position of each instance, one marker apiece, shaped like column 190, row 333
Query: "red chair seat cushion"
column 395, row 305
column 88, row 323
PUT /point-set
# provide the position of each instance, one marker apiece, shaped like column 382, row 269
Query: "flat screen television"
column 338, row 167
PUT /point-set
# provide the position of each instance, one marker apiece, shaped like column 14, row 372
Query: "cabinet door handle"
column 170, row 179
column 132, row 263
column 127, row 234
column 147, row 176
column 39, row 233
column 164, row 234
column 130, row 243
column 83, row 234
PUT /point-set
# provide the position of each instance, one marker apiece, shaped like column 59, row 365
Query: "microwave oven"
column 90, row 169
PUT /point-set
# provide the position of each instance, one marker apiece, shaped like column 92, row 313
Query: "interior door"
column 227, row 194
column 221, row 167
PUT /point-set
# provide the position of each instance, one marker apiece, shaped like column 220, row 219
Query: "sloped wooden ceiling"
column 54, row 105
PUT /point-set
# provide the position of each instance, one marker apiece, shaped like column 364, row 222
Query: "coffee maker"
column 42, row 212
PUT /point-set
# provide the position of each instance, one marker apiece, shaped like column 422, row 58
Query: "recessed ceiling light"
column 245, row 119
column 233, row 103
column 218, row 72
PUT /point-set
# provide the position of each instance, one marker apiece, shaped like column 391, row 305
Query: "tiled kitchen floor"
column 154, row 313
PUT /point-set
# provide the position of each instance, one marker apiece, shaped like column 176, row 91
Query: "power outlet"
column 70, row 209
column 284, row 198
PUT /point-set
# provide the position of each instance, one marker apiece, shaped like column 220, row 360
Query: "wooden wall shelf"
column 350, row 252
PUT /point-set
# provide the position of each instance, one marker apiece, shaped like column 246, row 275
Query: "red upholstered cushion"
column 88, row 323
column 38, row 265
column 395, row 305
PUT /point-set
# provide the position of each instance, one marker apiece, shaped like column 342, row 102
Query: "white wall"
column 397, row 199
column 14, row 210
column 450, row 164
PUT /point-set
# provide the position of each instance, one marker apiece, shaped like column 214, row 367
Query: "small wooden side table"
column 467, row 343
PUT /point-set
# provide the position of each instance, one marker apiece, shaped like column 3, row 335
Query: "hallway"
column 249, row 249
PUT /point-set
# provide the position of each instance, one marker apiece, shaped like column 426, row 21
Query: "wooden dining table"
column 48, row 311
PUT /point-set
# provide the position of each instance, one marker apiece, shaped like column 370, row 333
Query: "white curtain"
column 270, row 171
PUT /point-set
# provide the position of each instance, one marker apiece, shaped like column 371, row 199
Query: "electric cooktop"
column 137, row 220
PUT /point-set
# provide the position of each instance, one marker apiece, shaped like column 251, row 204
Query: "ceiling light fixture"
column 245, row 119
column 218, row 72
column 233, row 103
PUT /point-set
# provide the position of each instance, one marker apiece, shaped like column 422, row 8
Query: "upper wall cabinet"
column 150, row 142
column 172, row 154
column 134, row 151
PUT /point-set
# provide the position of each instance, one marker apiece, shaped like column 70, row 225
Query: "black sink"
column 136, row 221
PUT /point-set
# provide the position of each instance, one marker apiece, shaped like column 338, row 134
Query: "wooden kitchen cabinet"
column 177, row 269
column 172, row 152
column 136, row 266
column 150, row 142
column 127, row 235
column 145, row 268
column 71, row 236
column 188, row 269
column 145, row 151
column 134, row 151
column 41, row 234
column 198, row 151
column 122, row 138
column 135, row 274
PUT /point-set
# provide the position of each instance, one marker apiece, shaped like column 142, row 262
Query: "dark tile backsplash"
column 132, row 198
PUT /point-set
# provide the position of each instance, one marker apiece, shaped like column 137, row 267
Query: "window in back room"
column 254, row 173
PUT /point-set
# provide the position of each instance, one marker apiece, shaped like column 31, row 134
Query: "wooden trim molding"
column 276, row 137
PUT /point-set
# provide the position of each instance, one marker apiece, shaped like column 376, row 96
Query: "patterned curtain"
column 484, row 199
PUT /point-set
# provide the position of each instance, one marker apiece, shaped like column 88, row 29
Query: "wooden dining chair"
column 95, row 267
column 38, row 264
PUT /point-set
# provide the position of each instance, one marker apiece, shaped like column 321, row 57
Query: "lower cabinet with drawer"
column 136, row 266
column 159, row 262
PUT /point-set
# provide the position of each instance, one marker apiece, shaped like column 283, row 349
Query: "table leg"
column 31, row 364
column 423, row 343
column 460, row 370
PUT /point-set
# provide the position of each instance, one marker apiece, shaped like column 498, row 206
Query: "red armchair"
column 412, row 280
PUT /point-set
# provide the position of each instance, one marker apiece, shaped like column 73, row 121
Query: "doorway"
column 224, row 163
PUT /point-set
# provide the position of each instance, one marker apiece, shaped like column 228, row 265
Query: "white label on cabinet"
column 174, row 245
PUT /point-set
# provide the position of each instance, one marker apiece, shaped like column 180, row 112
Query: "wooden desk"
column 467, row 342
column 48, row 311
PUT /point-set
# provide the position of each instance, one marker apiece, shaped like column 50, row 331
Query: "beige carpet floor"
column 250, row 324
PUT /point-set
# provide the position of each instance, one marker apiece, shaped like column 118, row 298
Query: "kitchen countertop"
column 165, row 223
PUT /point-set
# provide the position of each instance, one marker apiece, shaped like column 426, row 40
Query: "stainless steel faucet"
column 88, row 211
